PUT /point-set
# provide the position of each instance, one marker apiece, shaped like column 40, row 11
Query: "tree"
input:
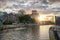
column 21, row 12
column 26, row 19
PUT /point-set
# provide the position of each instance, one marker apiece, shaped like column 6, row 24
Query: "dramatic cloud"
column 13, row 5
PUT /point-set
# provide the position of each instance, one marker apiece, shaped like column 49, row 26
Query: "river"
column 29, row 33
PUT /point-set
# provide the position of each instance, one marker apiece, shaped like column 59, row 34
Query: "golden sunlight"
column 42, row 17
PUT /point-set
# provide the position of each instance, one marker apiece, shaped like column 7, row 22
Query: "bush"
column 8, row 22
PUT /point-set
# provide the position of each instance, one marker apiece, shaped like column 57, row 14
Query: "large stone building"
column 34, row 13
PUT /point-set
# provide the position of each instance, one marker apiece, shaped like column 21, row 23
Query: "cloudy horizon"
column 10, row 5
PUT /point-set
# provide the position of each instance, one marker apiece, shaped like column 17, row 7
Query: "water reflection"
column 44, row 32
column 30, row 33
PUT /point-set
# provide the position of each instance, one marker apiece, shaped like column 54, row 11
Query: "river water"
column 29, row 33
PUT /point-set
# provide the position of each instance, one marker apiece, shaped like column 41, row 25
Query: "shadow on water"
column 35, row 33
column 13, row 34
column 30, row 33
column 1, row 36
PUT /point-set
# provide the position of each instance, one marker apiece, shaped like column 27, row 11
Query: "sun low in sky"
column 46, row 17
column 41, row 18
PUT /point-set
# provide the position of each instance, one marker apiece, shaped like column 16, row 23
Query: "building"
column 57, row 20
column 10, row 17
column 34, row 13
column 1, row 18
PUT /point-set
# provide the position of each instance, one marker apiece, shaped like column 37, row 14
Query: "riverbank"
column 2, row 27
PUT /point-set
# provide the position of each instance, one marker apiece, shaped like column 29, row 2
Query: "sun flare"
column 41, row 17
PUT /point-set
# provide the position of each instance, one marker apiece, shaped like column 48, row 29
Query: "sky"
column 15, row 5
column 9, row 5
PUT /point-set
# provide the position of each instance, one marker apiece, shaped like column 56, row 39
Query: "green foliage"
column 26, row 19
column 8, row 22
